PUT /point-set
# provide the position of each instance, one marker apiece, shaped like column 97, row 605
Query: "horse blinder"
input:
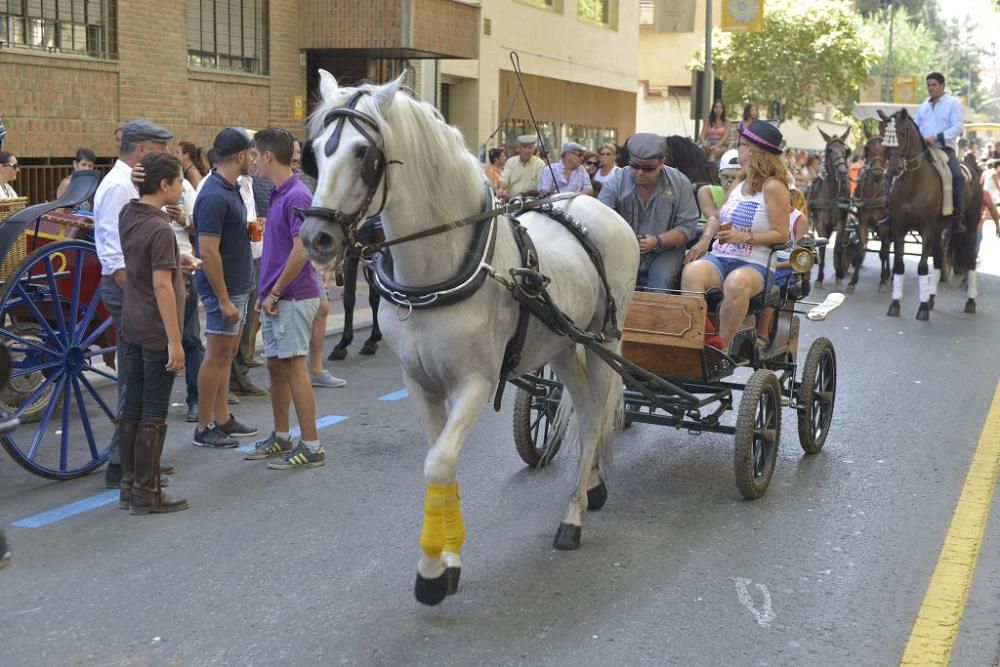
column 309, row 166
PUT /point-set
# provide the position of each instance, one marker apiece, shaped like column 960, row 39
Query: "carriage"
column 59, row 333
column 675, row 378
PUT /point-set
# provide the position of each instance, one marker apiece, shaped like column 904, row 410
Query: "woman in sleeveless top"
column 715, row 130
column 753, row 218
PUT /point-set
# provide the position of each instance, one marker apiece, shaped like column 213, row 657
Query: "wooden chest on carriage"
column 665, row 333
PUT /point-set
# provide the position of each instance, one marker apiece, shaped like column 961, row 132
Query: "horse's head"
column 346, row 155
column 836, row 154
column 875, row 154
column 902, row 138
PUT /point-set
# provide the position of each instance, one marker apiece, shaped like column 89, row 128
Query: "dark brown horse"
column 915, row 204
column 828, row 199
column 870, row 204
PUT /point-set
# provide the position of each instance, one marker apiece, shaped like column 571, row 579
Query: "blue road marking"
column 395, row 396
column 66, row 511
column 321, row 423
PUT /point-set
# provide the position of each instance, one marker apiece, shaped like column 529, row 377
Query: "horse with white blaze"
column 447, row 271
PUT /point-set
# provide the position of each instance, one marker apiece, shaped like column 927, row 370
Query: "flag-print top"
column 744, row 213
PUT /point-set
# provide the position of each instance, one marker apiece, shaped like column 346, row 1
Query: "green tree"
column 809, row 53
column 914, row 46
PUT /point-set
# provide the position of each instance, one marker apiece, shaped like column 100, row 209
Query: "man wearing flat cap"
column 520, row 176
column 137, row 138
column 567, row 175
column 658, row 202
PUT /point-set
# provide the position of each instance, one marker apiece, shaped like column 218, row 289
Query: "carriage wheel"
column 758, row 432
column 535, row 435
column 817, row 395
column 61, row 353
column 19, row 388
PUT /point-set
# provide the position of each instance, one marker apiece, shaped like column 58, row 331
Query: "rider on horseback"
column 940, row 119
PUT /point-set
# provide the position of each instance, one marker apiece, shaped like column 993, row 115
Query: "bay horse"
column 451, row 315
column 828, row 198
column 870, row 203
column 915, row 204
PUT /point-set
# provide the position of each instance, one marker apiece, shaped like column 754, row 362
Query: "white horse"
column 376, row 148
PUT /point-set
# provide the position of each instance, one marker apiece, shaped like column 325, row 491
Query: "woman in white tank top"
column 753, row 218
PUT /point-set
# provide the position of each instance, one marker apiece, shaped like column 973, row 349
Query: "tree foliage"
column 914, row 46
column 810, row 53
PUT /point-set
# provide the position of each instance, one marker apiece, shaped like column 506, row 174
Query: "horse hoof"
column 850, row 289
column 930, row 303
column 597, row 496
column 883, row 288
column 452, row 575
column 923, row 312
column 369, row 348
column 970, row 306
column 338, row 353
column 893, row 309
column 432, row 591
column 567, row 537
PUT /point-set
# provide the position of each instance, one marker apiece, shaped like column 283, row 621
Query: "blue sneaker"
column 300, row 457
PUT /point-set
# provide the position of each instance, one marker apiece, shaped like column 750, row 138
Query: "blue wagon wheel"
column 57, row 329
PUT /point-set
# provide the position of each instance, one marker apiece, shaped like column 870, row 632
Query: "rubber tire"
column 761, row 383
column 530, row 453
column 810, row 442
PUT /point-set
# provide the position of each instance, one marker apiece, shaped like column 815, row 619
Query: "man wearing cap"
column 136, row 138
column 520, row 176
column 658, row 202
column 224, row 283
column 567, row 175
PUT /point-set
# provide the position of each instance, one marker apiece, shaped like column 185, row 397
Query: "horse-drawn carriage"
column 677, row 376
column 60, row 335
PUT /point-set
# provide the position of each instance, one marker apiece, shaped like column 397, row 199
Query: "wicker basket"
column 18, row 251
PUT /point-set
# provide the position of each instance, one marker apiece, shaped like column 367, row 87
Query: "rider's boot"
column 958, row 223
column 147, row 491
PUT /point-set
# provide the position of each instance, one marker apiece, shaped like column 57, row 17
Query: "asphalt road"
column 317, row 566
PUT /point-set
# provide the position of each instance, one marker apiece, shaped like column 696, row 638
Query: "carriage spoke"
column 102, row 373
column 57, row 301
column 84, row 321
column 46, row 416
column 74, row 304
column 89, row 352
column 82, row 408
column 30, row 343
column 37, row 393
column 64, row 440
column 36, row 369
column 39, row 318
column 95, row 334
column 97, row 397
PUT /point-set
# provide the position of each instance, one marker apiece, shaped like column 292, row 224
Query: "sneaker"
column 213, row 437
column 192, row 414
column 324, row 379
column 232, row 399
column 237, row 428
column 249, row 390
column 300, row 457
column 269, row 448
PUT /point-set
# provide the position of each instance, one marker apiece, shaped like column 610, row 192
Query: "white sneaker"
column 324, row 379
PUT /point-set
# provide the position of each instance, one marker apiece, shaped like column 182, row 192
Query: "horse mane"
column 415, row 133
column 685, row 156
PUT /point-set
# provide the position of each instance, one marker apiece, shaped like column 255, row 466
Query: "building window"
column 228, row 35
column 82, row 27
column 601, row 12
column 646, row 12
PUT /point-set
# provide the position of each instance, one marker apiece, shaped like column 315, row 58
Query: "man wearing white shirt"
column 940, row 119
column 138, row 138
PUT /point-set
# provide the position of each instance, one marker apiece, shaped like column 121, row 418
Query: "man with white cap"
column 658, row 202
column 567, row 175
column 520, row 176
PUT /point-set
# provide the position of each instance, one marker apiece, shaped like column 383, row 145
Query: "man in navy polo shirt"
column 224, row 283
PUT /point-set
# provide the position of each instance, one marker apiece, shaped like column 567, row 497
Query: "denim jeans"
column 664, row 270
column 148, row 381
column 112, row 296
column 194, row 349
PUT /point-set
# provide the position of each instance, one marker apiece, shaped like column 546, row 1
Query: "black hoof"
column 850, row 289
column 452, row 575
column 893, row 308
column 338, row 353
column 567, row 537
column 923, row 312
column 431, row 591
column 597, row 496
column 930, row 302
column 970, row 306
column 369, row 348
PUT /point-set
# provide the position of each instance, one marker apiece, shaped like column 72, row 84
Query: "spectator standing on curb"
column 289, row 299
column 150, row 341
column 84, row 159
column 194, row 348
column 567, row 175
column 137, row 138
column 224, row 283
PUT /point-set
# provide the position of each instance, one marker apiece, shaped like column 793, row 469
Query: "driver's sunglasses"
column 12, row 165
column 644, row 167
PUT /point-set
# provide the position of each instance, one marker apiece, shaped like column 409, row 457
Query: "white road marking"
column 765, row 616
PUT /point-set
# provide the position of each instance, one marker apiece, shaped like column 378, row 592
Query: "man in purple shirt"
column 567, row 175
column 289, row 297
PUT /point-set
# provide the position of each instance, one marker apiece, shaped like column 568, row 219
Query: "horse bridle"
column 373, row 166
column 904, row 161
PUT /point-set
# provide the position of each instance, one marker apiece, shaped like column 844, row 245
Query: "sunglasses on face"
column 644, row 167
column 13, row 165
column 592, row 163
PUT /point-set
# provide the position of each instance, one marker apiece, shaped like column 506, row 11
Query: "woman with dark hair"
column 193, row 162
column 150, row 340
column 84, row 159
column 753, row 218
column 715, row 130
column 494, row 170
column 8, row 173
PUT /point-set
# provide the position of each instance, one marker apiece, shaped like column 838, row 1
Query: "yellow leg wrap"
column 432, row 536
column 454, row 528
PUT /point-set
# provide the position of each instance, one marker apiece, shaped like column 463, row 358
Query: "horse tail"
column 960, row 249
